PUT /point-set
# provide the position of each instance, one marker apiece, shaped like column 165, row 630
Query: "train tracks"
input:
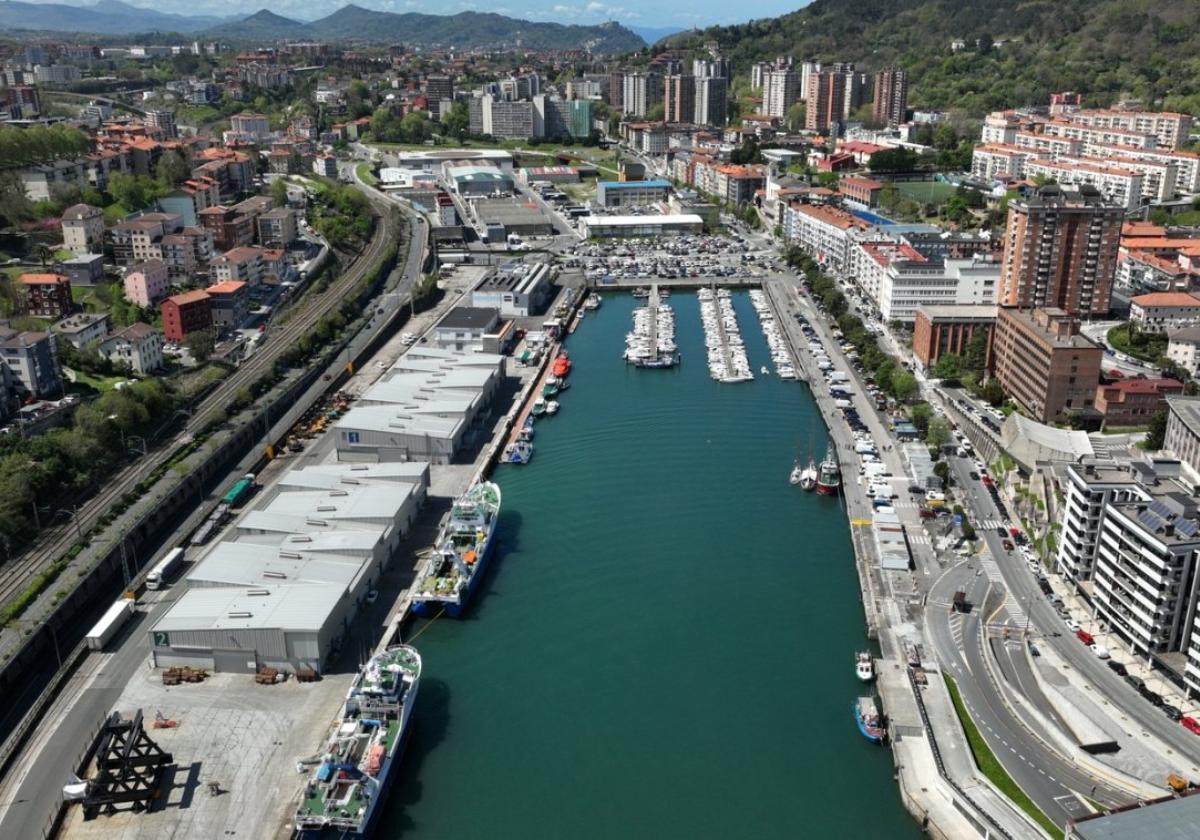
column 17, row 574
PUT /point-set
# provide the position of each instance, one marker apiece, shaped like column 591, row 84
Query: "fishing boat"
column 870, row 722
column 345, row 795
column 641, row 292
column 550, row 387
column 808, row 477
column 764, row 370
column 864, row 665
column 520, row 451
column 552, row 407
column 797, row 473
column 829, row 474
column 460, row 553
column 539, row 407
column 592, row 302
column 527, row 428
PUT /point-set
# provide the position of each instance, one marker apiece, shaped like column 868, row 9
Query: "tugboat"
column 870, row 722
column 829, row 475
column 864, row 666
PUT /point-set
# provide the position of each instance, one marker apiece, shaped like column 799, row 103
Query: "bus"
column 158, row 575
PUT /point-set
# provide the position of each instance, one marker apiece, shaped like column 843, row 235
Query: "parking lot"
column 671, row 257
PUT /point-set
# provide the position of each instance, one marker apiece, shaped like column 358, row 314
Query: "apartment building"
column 863, row 192
column 229, row 303
column 1122, row 187
column 825, row 233
column 712, row 101
column 277, row 227
column 1186, row 164
column 138, row 346
column 1047, row 145
column 640, row 93
column 47, row 295
column 1060, row 251
column 31, row 361
column 255, row 128
column 1170, row 130
column 185, row 313
column 146, row 283
column 825, row 101
column 780, row 91
column 186, row 252
column 1183, row 430
column 1044, row 363
column 1145, row 581
column 242, row 264
column 1127, row 403
column 679, row 98
column 1159, row 312
column 1089, row 487
column 1086, row 134
column 229, row 228
column 998, row 161
column 1184, row 348
column 83, row 229
column 890, row 106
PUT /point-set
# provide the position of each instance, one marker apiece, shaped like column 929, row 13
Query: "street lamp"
column 73, row 514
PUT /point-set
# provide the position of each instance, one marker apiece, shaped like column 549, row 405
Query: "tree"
column 893, row 160
column 975, row 354
column 1157, row 433
column 993, row 392
column 656, row 112
column 200, row 344
column 279, row 193
column 15, row 205
column 457, row 121
column 172, row 168
column 939, row 433
column 948, row 367
column 795, row 116
column 904, row 386
column 921, row 414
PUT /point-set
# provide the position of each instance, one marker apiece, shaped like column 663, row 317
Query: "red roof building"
column 186, row 313
column 1132, row 402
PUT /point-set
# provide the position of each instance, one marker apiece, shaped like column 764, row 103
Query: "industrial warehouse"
column 290, row 575
column 422, row 409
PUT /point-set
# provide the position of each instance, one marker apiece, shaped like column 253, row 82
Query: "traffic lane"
column 1039, row 772
column 1049, row 780
column 1013, row 665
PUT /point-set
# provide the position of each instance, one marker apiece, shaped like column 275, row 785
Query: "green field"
column 926, row 192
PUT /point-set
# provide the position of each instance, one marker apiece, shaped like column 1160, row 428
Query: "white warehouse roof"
column 296, row 608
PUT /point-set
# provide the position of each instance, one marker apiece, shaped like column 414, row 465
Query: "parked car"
column 1136, row 683
column 1190, row 724
column 1008, row 546
column 1152, row 697
column 1074, row 626
column 1117, row 668
column 1172, row 712
column 1000, row 532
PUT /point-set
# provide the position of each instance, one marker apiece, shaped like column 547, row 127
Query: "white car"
column 407, row 339
column 1073, row 626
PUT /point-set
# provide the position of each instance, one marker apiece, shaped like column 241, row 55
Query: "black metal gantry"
column 128, row 767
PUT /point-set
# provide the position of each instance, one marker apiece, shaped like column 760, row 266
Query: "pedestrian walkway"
column 991, row 569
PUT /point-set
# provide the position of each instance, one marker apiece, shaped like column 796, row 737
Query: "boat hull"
column 455, row 609
column 829, row 489
column 874, row 734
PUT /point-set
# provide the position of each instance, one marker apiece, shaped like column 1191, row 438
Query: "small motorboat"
column 864, row 666
column 518, row 452
column 539, row 407
column 552, row 407
column 797, row 474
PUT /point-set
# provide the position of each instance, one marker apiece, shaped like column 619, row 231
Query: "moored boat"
column 869, row 720
column 539, row 407
column 520, row 451
column 797, row 473
column 562, row 365
column 829, row 474
column 460, row 553
column 552, row 407
column 864, row 666
column 346, row 793
column 808, row 477
column 592, row 301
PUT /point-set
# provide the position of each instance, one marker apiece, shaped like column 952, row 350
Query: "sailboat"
column 808, row 476
column 797, row 474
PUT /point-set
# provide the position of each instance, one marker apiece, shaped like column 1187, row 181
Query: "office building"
column 938, row 330
column 1060, row 251
column 891, row 97
column 1043, row 362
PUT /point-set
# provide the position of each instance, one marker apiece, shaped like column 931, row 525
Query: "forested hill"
column 1026, row 49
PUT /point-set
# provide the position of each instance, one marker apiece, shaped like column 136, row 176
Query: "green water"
column 664, row 645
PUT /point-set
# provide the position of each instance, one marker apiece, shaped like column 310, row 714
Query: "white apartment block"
column 823, row 232
column 994, row 159
column 780, row 91
column 899, row 280
column 1001, row 127
column 1170, row 130
column 1118, row 186
column 1145, row 577
column 1107, row 136
column 1047, row 146
column 1187, row 164
column 1089, row 487
column 1158, row 179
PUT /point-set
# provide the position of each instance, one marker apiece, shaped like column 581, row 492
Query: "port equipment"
column 129, row 765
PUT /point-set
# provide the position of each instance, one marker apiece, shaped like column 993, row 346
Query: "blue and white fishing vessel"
column 520, row 451
column 869, row 720
column 460, row 554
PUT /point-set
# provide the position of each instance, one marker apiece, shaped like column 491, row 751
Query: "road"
column 1097, row 331
column 102, row 677
column 1045, row 622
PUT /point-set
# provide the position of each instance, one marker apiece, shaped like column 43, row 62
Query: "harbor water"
column 664, row 645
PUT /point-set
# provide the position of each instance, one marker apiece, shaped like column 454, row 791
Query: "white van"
column 865, row 447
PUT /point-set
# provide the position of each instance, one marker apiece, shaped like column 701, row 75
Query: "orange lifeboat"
column 469, row 558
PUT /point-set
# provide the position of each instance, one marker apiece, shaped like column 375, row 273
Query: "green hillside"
column 1105, row 49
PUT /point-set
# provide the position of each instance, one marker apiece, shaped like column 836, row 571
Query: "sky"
column 680, row 14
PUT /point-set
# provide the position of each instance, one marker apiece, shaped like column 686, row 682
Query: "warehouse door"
column 235, row 661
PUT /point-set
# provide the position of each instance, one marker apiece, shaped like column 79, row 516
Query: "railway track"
column 55, row 541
